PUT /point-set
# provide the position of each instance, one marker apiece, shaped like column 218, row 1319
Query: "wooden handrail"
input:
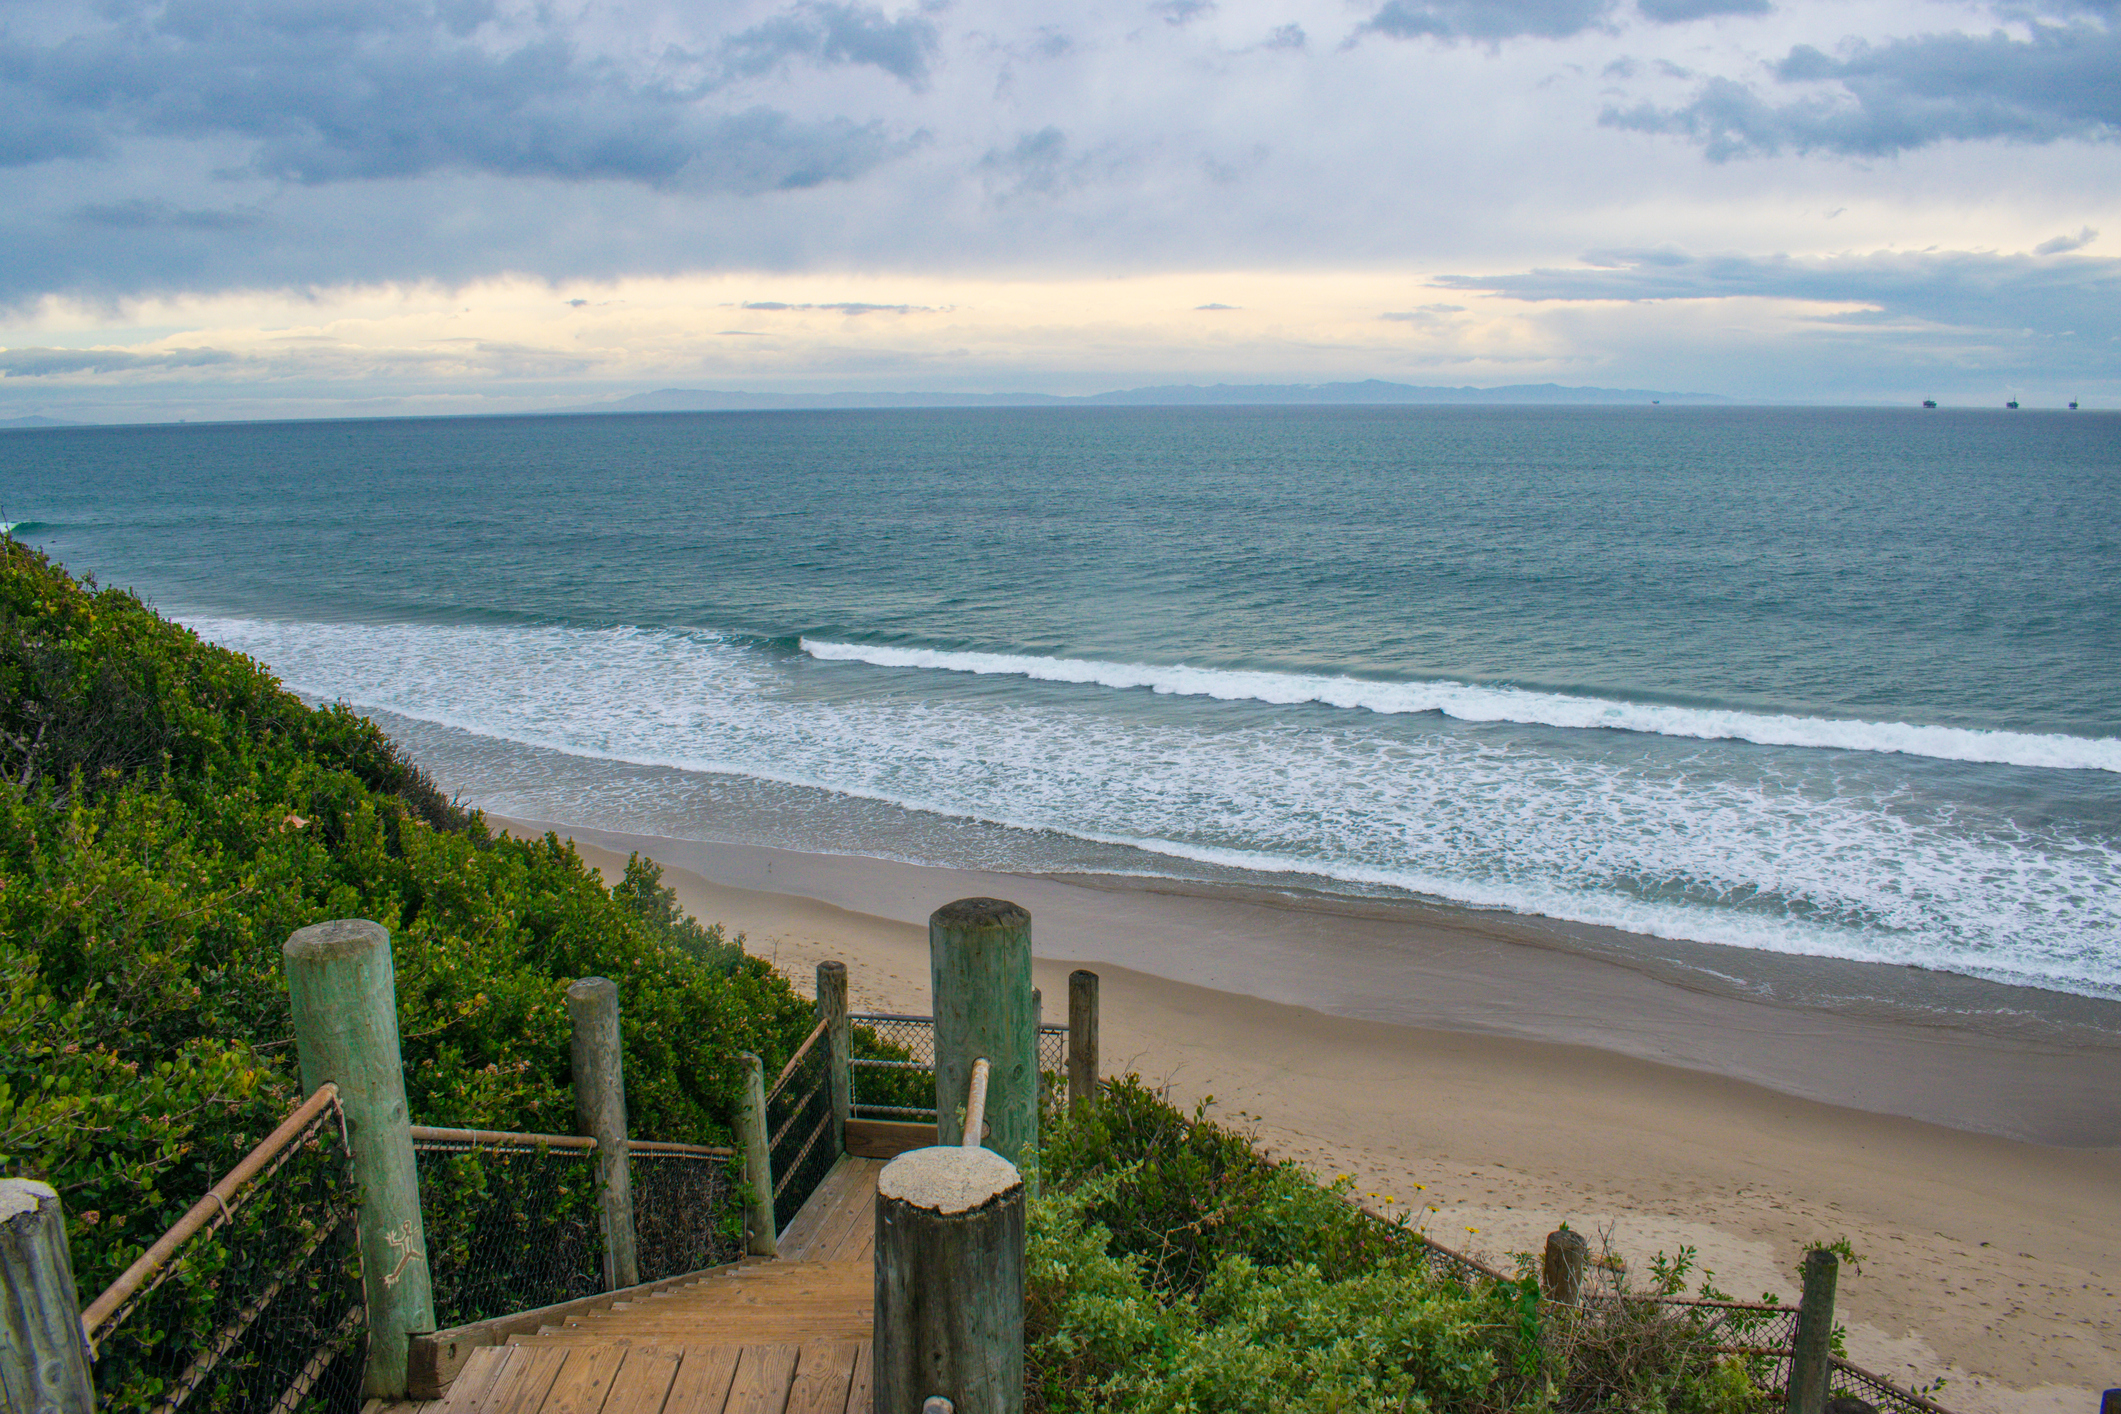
column 795, row 1060
column 664, row 1146
column 428, row 1134
column 214, row 1208
column 976, row 1104
column 1048, row 1028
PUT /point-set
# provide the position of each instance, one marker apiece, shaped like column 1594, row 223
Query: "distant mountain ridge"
column 1370, row 392
column 36, row 422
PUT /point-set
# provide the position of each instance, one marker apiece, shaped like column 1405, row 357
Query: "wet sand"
column 1498, row 1077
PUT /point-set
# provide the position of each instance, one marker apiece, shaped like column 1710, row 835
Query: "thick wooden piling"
column 599, row 1060
column 1568, row 1258
column 761, row 1231
column 949, row 1314
column 979, row 960
column 44, row 1365
column 1082, row 1036
column 1810, row 1361
column 344, row 993
column 839, row 1038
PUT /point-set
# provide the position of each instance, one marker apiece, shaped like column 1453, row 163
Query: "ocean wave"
column 1754, row 853
column 1472, row 702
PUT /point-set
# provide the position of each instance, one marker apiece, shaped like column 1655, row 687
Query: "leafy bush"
column 169, row 814
column 1171, row 1267
column 1187, row 1193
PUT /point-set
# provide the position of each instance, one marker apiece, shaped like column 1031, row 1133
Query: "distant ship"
column 2072, row 404
column 2012, row 404
column 1929, row 402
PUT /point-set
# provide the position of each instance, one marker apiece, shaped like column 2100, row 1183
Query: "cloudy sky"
column 302, row 207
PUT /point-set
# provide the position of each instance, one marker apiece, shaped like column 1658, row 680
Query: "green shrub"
column 1171, row 1267
column 169, row 814
column 1188, row 1192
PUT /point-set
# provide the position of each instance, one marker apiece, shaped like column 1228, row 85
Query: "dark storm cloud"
column 1037, row 162
column 399, row 88
column 2077, row 296
column 1181, row 12
column 2064, row 81
column 848, row 307
column 836, row 34
column 1673, row 12
column 51, row 363
column 1486, row 20
column 140, row 215
column 2062, row 245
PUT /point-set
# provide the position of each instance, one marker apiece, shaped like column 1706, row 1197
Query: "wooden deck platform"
column 786, row 1336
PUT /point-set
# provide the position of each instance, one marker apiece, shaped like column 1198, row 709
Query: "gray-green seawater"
column 1833, row 682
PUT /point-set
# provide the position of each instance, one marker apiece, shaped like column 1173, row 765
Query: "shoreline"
column 1989, row 1260
column 1939, row 1047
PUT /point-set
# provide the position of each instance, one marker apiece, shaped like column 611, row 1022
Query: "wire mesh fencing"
column 686, row 1212
column 894, row 1065
column 1763, row 1335
column 512, row 1221
column 252, row 1302
column 799, row 1126
column 1876, row 1390
column 1052, row 1056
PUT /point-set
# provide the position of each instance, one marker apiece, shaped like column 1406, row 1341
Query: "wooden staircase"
column 757, row 1303
column 784, row 1336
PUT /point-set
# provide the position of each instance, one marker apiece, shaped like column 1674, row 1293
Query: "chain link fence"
column 512, row 1221
column 686, row 1213
column 252, row 1303
column 1761, row 1334
column 894, row 1064
column 1876, row 1390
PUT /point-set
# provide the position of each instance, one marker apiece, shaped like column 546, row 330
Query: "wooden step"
column 816, row 1376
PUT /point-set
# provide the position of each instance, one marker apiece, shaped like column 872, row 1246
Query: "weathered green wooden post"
column 1082, row 1036
column 1568, row 1259
column 979, row 964
column 949, row 1302
column 44, row 1366
column 761, row 1231
column 599, row 1061
column 1810, row 1356
column 839, row 1039
column 344, row 991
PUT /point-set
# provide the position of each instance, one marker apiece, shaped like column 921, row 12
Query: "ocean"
column 1837, row 683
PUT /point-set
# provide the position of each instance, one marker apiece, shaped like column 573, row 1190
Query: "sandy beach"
column 1516, row 1083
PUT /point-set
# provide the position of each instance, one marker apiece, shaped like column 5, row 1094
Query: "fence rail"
column 1767, row 1332
column 512, row 1220
column 799, row 1126
column 900, row 1083
column 252, row 1300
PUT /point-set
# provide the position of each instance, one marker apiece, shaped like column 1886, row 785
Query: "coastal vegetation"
column 169, row 813
column 1172, row 1267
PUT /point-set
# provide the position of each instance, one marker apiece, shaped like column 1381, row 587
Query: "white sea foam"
column 1471, row 702
column 1721, row 852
